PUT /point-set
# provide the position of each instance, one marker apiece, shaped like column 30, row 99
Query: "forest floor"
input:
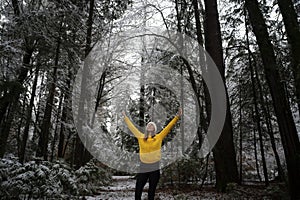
column 122, row 187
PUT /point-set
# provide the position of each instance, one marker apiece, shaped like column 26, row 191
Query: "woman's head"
column 151, row 128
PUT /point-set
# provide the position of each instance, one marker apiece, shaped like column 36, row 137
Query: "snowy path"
column 122, row 188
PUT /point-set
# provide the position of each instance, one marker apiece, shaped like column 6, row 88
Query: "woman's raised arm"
column 171, row 124
column 131, row 127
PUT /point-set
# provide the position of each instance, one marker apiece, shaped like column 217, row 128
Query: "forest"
column 71, row 72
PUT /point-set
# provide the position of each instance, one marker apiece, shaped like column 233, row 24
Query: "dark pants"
column 141, row 181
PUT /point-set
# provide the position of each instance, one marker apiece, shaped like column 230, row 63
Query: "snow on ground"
column 122, row 188
column 121, row 183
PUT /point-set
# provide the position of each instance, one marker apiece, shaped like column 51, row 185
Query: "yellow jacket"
column 150, row 149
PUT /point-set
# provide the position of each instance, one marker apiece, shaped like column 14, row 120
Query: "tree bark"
column 257, row 117
column 198, row 23
column 46, row 124
column 9, row 101
column 224, row 152
column 82, row 156
column 20, row 124
column 289, row 17
column 205, row 121
column 61, row 141
column 28, row 117
column 241, row 134
column 65, row 116
column 58, row 119
column 287, row 128
column 15, row 4
column 273, row 142
column 267, row 117
column 255, row 154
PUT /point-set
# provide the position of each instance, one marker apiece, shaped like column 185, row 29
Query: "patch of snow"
column 121, row 183
column 122, row 177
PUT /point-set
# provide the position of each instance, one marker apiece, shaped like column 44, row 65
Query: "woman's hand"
column 179, row 113
column 123, row 113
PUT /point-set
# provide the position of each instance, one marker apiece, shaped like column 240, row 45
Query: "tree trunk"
column 46, row 124
column 61, row 141
column 205, row 121
column 20, row 123
column 37, row 131
column 289, row 17
column 65, row 116
column 9, row 102
column 255, row 148
column 289, row 137
column 82, row 156
column 267, row 117
column 273, row 143
column 255, row 154
column 257, row 117
column 198, row 23
column 101, row 85
column 241, row 134
column 28, row 116
column 224, row 152
column 15, row 4
column 58, row 118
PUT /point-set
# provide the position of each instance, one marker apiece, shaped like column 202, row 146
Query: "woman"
column 150, row 154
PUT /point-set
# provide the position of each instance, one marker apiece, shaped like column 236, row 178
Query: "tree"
column 284, row 116
column 81, row 154
column 9, row 101
column 111, row 10
column 257, row 116
column 46, row 124
column 224, row 152
column 65, row 116
column 293, row 34
column 28, row 117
